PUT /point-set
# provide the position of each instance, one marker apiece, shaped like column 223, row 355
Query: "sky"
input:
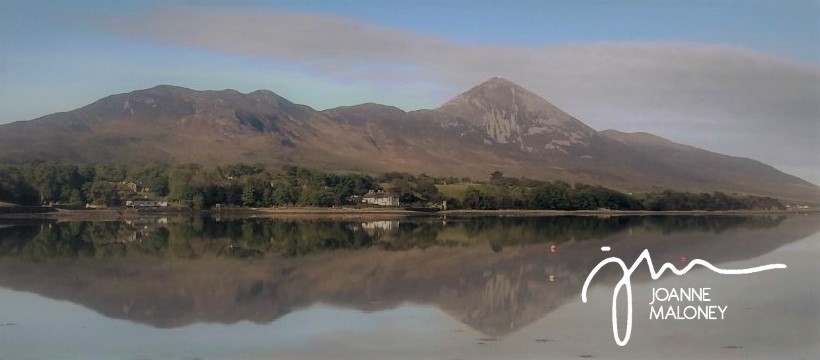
column 737, row 77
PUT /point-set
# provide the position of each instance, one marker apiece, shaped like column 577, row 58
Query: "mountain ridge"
column 496, row 125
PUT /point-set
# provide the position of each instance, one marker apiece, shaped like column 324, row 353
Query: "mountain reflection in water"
column 494, row 274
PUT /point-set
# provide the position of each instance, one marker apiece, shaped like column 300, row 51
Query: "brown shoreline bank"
column 363, row 213
column 524, row 212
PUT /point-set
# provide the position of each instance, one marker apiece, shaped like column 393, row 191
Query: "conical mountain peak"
column 511, row 114
column 499, row 81
column 496, row 89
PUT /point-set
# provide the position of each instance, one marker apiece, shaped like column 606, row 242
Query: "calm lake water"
column 429, row 288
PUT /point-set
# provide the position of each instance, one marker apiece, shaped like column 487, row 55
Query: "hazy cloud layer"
column 721, row 98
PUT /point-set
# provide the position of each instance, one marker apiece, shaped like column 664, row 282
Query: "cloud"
column 722, row 98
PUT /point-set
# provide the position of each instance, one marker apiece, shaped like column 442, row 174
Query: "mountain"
column 172, row 124
column 510, row 114
column 496, row 125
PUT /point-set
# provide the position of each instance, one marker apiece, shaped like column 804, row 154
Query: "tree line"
column 200, row 187
column 514, row 193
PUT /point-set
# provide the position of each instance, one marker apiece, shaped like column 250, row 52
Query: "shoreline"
column 118, row 214
column 525, row 212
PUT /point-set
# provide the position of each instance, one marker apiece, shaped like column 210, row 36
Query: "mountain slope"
column 496, row 125
column 704, row 169
column 510, row 114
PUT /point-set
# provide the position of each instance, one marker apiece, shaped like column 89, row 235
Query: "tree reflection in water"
column 495, row 274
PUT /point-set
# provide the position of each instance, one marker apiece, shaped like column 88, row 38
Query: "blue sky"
column 737, row 77
column 787, row 27
column 51, row 47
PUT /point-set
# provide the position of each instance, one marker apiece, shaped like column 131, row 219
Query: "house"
column 144, row 203
column 380, row 198
column 130, row 185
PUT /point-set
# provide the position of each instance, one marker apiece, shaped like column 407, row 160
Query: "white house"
column 380, row 198
column 139, row 203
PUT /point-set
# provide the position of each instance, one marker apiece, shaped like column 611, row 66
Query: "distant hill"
column 496, row 125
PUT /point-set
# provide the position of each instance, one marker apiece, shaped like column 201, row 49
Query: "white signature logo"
column 626, row 282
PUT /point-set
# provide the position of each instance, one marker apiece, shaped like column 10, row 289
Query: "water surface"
column 465, row 288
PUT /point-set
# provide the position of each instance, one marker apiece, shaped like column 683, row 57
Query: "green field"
column 454, row 190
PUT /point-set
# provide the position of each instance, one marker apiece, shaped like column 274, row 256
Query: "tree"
column 475, row 199
column 248, row 194
column 15, row 189
column 198, row 201
column 76, row 197
column 181, row 191
column 104, row 193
